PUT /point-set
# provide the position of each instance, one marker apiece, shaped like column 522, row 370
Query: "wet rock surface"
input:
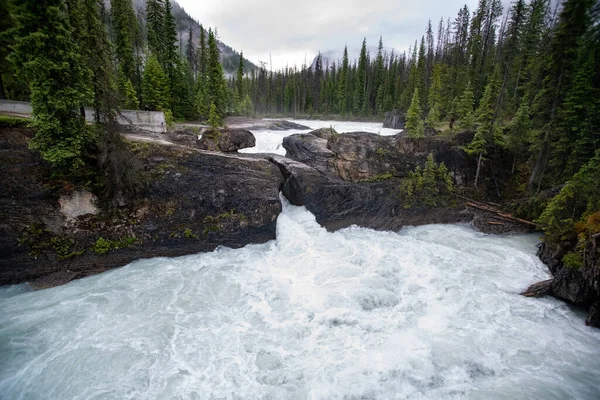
column 226, row 140
column 578, row 285
column 394, row 119
column 194, row 201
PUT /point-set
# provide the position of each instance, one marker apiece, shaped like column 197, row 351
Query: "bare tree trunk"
column 478, row 167
column 2, row 92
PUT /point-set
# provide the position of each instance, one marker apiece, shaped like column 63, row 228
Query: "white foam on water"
column 268, row 141
column 431, row 312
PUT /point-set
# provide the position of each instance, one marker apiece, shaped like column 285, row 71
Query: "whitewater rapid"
column 269, row 141
column 431, row 312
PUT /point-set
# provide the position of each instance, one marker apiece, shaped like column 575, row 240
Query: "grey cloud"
column 291, row 31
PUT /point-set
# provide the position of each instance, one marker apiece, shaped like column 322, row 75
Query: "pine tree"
column 131, row 100
column 45, row 55
column 201, row 103
column 464, row 109
column 125, row 29
column 214, row 120
column 190, row 52
column 155, row 85
column 360, row 80
column 343, row 84
column 216, row 85
column 487, row 133
column 519, row 132
column 202, row 58
column 414, row 122
column 155, row 23
column 580, row 116
column 239, row 82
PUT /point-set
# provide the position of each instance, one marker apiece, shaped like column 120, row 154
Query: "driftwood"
column 540, row 289
column 499, row 213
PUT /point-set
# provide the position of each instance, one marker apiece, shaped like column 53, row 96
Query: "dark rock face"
column 226, row 140
column 362, row 156
column 338, row 204
column 394, row 119
column 580, row 285
column 194, row 202
column 310, row 149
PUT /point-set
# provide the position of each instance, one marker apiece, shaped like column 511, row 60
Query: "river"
column 268, row 141
column 431, row 312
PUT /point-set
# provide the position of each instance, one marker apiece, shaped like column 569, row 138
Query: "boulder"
column 325, row 133
column 394, row 119
column 307, row 148
column 226, row 140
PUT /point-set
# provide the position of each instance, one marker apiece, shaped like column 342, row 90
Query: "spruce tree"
column 190, row 52
column 464, row 109
column 414, row 122
column 216, row 85
column 360, row 80
column 343, row 84
column 239, row 81
column 155, row 24
column 487, row 133
column 155, row 85
column 202, row 58
column 131, row 100
column 214, row 119
column 46, row 56
column 125, row 29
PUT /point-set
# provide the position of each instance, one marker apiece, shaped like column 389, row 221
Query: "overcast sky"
column 292, row 31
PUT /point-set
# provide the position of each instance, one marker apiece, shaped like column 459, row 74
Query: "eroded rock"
column 226, row 140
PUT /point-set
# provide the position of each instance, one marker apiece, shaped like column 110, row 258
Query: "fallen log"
column 540, row 289
column 500, row 213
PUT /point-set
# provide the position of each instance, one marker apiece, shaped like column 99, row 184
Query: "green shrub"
column 573, row 260
column 102, row 246
column 13, row 122
column 431, row 186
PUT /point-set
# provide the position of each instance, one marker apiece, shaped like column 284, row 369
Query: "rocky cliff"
column 195, row 200
column 579, row 285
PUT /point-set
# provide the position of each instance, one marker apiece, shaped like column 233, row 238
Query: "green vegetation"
column 13, row 122
column 103, row 246
column 39, row 240
column 431, row 186
column 215, row 223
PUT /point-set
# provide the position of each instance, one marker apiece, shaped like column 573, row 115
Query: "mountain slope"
column 229, row 57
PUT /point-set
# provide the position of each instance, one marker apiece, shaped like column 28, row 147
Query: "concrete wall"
column 151, row 121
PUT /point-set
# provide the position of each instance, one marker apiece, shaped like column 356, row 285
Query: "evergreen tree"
column 216, row 85
column 202, row 58
column 414, row 122
column 343, row 84
column 155, row 85
column 125, row 29
column 155, row 23
column 464, row 109
column 239, row 82
column 214, row 120
column 131, row 100
column 360, row 80
column 487, row 133
column 46, row 56
column 190, row 52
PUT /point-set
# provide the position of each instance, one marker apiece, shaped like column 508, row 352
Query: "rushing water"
column 268, row 141
column 427, row 313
